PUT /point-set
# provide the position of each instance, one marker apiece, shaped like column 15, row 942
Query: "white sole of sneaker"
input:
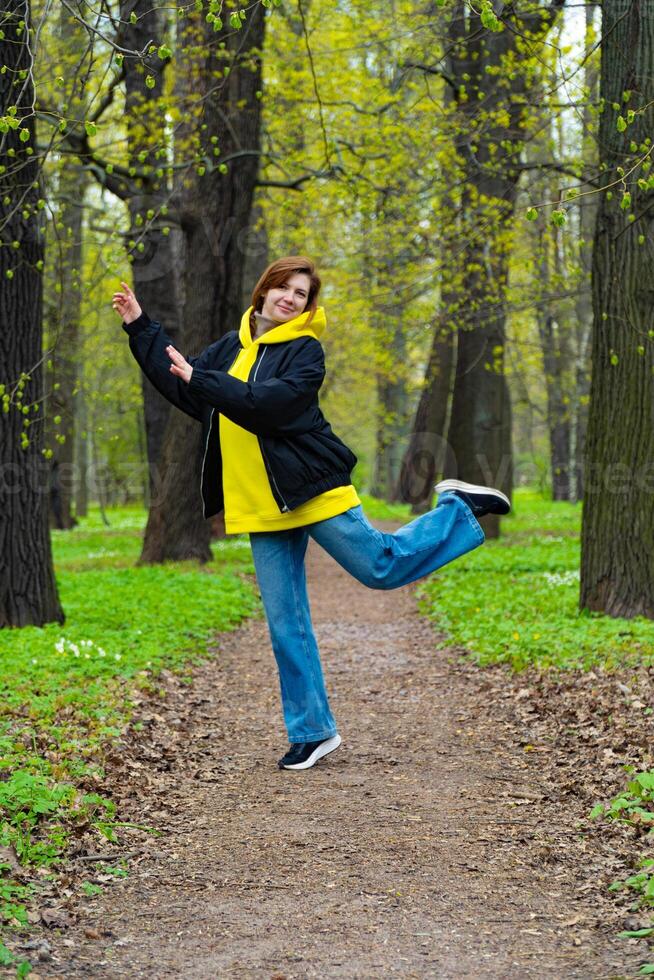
column 446, row 485
column 323, row 749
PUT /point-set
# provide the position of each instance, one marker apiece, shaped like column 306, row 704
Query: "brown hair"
column 276, row 275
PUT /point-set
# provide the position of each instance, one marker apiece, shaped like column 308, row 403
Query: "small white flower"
column 101, row 652
column 34, row 660
column 562, row 578
column 59, row 647
column 117, row 656
column 87, row 656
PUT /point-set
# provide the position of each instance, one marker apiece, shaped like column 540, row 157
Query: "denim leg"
column 279, row 563
column 387, row 561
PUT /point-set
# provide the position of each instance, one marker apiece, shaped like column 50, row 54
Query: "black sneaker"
column 303, row 755
column 480, row 500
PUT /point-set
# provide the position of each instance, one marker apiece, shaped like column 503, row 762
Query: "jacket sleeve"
column 267, row 408
column 148, row 342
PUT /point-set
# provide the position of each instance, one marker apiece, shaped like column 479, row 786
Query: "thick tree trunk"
column 28, row 592
column 156, row 256
column 491, row 89
column 215, row 216
column 617, row 565
column 480, row 425
column 426, row 452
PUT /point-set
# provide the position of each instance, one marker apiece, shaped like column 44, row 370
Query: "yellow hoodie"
column 249, row 503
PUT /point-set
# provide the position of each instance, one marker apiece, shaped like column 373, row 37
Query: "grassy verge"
column 634, row 807
column 515, row 600
column 66, row 691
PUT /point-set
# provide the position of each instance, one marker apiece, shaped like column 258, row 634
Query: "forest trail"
column 430, row 844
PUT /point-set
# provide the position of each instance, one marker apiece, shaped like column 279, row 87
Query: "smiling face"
column 283, row 303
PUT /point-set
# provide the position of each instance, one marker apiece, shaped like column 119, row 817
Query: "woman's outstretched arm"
column 148, row 342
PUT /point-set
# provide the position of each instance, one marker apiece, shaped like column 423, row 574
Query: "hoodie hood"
column 297, row 327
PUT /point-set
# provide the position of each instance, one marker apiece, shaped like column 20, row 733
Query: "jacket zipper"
column 285, row 507
column 204, row 457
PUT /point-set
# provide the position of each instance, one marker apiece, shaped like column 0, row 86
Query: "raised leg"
column 387, row 561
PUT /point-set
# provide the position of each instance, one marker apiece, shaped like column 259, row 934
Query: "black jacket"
column 302, row 456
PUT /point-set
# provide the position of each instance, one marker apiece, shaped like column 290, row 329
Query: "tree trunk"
column 425, row 454
column 155, row 256
column 215, row 216
column 485, row 69
column 28, row 592
column 617, row 564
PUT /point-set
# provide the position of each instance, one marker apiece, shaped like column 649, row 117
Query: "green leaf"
column 621, row 125
column 625, row 203
column 532, row 214
column 24, row 135
column 647, row 968
column 150, row 81
column 91, row 128
column 558, row 217
column 164, row 52
column 133, row 18
column 6, row 956
column 636, row 933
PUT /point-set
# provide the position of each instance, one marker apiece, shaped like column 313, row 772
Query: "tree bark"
column 425, row 454
column 155, row 257
column 480, row 423
column 617, row 558
column 28, row 592
column 215, row 218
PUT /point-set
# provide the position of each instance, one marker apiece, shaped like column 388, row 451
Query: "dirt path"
column 429, row 845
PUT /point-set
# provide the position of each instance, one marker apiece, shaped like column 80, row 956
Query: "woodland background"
column 447, row 164
column 473, row 179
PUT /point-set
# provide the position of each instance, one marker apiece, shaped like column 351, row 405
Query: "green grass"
column 515, row 600
column 65, row 690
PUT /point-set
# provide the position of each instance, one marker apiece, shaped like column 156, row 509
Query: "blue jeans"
column 378, row 560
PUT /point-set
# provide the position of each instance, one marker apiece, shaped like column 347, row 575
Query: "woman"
column 272, row 462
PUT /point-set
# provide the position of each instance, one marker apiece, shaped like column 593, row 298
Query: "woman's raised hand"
column 126, row 304
column 180, row 365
